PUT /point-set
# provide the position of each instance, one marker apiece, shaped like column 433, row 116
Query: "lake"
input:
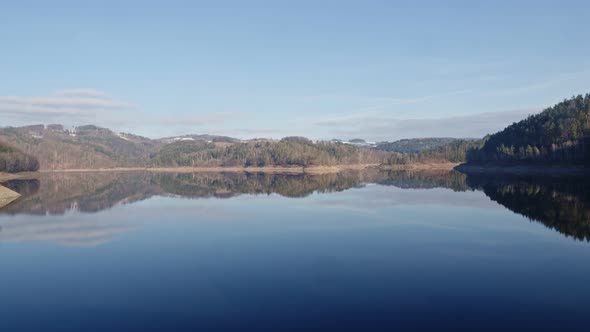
column 359, row 251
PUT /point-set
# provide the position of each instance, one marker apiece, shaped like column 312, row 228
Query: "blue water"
column 370, row 257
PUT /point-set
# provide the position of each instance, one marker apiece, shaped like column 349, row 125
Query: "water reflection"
column 562, row 203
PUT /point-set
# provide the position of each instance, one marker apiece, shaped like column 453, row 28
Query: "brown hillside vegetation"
column 87, row 147
column 91, row 147
column 13, row 160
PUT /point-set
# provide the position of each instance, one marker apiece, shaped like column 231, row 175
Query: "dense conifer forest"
column 558, row 134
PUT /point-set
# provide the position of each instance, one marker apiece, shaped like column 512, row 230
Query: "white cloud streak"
column 91, row 93
column 381, row 127
column 75, row 102
column 391, row 102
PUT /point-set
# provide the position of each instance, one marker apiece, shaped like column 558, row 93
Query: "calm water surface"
column 353, row 251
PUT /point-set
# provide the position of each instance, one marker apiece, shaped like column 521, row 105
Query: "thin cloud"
column 74, row 102
column 73, row 107
column 92, row 93
column 540, row 85
column 375, row 102
column 407, row 101
column 381, row 127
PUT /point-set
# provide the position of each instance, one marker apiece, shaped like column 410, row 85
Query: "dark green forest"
column 558, row 134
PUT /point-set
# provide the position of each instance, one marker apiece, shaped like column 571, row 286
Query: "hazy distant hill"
column 414, row 145
column 203, row 137
column 95, row 147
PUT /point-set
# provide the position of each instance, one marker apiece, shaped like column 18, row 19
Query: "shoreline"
column 220, row 169
column 519, row 169
column 17, row 176
column 419, row 166
column 523, row 169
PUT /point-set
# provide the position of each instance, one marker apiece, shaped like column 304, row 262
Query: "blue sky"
column 379, row 70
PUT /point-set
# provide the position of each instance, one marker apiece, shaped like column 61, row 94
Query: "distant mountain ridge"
column 414, row 145
column 201, row 137
column 93, row 147
column 81, row 147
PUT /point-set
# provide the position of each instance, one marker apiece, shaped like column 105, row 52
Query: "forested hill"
column 13, row 160
column 92, row 147
column 289, row 151
column 82, row 147
column 414, row 145
column 559, row 133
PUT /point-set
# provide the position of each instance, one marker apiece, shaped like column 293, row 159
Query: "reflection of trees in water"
column 26, row 187
column 86, row 192
column 231, row 184
column 91, row 192
column 560, row 203
column 426, row 180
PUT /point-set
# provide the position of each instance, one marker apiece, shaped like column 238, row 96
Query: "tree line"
column 289, row 151
column 414, row 145
column 13, row 160
column 455, row 151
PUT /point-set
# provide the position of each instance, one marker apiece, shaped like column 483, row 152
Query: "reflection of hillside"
column 231, row 184
column 56, row 194
column 425, row 179
column 24, row 187
column 562, row 204
column 91, row 192
column 85, row 192
column 300, row 185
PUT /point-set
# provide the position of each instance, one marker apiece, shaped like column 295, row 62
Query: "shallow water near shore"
column 370, row 250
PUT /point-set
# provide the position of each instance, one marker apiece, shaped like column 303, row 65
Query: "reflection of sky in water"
column 370, row 206
column 387, row 196
column 370, row 257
